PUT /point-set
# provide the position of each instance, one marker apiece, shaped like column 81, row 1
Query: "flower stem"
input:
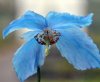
column 38, row 74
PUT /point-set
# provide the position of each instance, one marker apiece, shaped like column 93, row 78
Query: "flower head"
column 62, row 29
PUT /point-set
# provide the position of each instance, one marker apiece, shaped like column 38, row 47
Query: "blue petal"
column 64, row 26
column 29, row 20
column 78, row 49
column 54, row 18
column 27, row 58
column 29, row 35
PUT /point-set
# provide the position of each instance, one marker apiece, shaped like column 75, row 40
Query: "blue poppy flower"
column 63, row 30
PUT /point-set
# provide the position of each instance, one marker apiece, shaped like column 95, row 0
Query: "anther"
column 47, row 37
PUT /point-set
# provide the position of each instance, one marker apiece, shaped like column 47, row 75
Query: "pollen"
column 47, row 37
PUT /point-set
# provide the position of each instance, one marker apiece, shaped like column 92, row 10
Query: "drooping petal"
column 29, row 20
column 64, row 26
column 27, row 58
column 29, row 35
column 78, row 49
column 54, row 18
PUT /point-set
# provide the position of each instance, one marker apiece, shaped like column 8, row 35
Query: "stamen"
column 47, row 37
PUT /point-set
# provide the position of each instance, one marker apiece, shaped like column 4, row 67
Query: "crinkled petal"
column 78, row 48
column 27, row 58
column 64, row 26
column 29, row 35
column 29, row 20
column 54, row 18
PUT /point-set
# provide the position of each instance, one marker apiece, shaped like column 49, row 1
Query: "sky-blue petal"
column 64, row 26
column 29, row 20
column 55, row 18
column 78, row 48
column 27, row 58
column 29, row 35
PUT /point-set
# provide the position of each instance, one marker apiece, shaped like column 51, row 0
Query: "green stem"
column 38, row 74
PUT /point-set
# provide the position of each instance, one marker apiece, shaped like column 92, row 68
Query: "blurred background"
column 56, row 68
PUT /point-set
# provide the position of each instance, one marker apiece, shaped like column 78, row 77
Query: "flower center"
column 47, row 37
